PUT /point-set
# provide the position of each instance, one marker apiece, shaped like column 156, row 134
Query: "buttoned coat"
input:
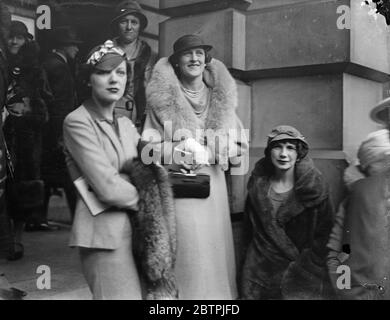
column 95, row 151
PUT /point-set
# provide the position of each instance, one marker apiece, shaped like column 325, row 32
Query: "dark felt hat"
column 65, row 35
column 18, row 28
column 129, row 7
column 285, row 132
column 189, row 41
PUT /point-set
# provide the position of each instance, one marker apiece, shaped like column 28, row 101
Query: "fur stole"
column 154, row 229
column 167, row 101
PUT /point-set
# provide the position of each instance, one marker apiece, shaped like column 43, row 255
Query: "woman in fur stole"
column 360, row 236
column 98, row 143
column 190, row 98
column 289, row 218
column 102, row 147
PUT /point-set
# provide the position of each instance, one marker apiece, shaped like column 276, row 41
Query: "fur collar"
column 310, row 188
column 166, row 100
column 309, row 191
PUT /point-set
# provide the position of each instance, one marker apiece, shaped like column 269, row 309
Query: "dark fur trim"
column 154, row 228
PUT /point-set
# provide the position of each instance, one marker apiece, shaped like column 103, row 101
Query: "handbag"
column 190, row 185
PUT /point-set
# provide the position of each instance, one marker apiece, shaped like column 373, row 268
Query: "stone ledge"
column 311, row 70
column 192, row 7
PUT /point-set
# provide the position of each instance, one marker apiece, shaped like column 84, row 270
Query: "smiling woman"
column 288, row 218
column 190, row 91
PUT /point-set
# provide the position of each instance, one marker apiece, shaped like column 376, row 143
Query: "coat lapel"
column 107, row 129
column 126, row 138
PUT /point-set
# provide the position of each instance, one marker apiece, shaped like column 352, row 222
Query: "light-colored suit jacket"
column 95, row 151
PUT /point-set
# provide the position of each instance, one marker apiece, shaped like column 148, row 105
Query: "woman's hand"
column 193, row 155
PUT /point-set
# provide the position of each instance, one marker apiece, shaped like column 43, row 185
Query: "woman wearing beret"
column 190, row 98
column 288, row 221
column 98, row 142
column 129, row 21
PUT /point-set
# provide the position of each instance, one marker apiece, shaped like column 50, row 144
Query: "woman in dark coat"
column 23, row 130
column 289, row 213
column 5, row 20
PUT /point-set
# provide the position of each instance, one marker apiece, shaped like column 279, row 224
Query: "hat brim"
column 109, row 62
column 205, row 47
column 284, row 136
column 381, row 112
column 141, row 16
column 27, row 35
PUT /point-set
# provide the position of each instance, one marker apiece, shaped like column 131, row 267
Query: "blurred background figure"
column 60, row 68
column 27, row 113
column 129, row 21
column 5, row 21
column 360, row 238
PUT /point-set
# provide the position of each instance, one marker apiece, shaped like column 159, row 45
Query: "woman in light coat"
column 190, row 98
column 98, row 142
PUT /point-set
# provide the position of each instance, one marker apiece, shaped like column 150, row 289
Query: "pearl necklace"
column 193, row 93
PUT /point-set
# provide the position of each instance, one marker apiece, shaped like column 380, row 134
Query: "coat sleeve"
column 83, row 146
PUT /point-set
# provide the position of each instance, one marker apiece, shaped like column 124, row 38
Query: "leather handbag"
column 186, row 185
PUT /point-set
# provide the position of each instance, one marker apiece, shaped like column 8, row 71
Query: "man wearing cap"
column 58, row 66
column 128, row 22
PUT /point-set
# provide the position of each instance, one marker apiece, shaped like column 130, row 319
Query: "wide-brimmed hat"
column 286, row 132
column 129, row 7
column 18, row 28
column 65, row 35
column 189, row 41
column 380, row 113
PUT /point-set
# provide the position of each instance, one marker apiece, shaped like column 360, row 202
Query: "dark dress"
column 4, row 224
column 62, row 85
column 23, row 134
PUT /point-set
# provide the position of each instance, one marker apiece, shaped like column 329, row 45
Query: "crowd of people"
column 142, row 151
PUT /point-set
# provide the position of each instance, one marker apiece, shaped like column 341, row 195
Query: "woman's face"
column 192, row 63
column 109, row 86
column 284, row 156
column 15, row 43
column 129, row 28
